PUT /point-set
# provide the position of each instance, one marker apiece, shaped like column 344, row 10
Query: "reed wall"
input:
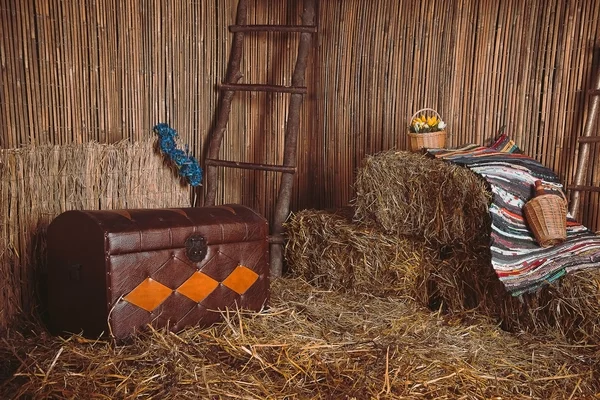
column 74, row 73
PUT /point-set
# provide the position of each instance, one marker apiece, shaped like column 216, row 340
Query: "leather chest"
column 114, row 272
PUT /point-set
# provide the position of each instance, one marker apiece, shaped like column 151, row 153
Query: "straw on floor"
column 311, row 344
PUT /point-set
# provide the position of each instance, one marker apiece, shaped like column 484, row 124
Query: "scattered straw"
column 312, row 344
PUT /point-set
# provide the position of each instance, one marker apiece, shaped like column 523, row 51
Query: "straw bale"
column 568, row 308
column 329, row 250
column 334, row 253
column 575, row 306
column 311, row 344
column 410, row 194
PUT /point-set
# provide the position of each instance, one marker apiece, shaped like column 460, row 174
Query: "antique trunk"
column 115, row 272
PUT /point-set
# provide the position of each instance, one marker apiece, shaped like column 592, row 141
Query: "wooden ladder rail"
column 583, row 161
column 297, row 90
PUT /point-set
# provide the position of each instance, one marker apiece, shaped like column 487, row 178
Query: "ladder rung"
column 246, row 165
column 577, row 188
column 273, row 28
column 588, row 139
column 263, row 88
column 594, row 92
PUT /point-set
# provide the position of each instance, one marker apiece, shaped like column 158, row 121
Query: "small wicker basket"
column 427, row 140
column 546, row 215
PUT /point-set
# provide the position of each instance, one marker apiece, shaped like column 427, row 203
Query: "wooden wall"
column 78, row 71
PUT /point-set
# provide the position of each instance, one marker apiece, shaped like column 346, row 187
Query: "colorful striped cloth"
column 521, row 264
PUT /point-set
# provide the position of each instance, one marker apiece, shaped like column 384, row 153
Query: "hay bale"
column 446, row 263
column 567, row 308
column 410, row 194
column 328, row 250
column 311, row 344
column 332, row 252
column 575, row 306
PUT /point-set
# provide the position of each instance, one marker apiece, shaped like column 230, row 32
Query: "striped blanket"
column 521, row 264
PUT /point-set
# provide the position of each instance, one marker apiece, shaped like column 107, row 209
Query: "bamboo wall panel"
column 483, row 65
column 73, row 73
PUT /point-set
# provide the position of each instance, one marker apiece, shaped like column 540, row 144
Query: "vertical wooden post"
column 583, row 162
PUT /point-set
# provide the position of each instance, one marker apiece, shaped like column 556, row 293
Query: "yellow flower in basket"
column 426, row 130
column 425, row 124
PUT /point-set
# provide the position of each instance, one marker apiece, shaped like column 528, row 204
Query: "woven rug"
column 521, row 264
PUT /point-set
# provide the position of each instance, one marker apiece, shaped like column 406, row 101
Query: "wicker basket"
column 547, row 218
column 428, row 140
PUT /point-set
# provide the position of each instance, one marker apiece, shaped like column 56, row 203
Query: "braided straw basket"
column 546, row 215
column 428, row 140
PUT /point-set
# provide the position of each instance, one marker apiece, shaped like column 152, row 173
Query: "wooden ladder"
column 296, row 90
column 583, row 160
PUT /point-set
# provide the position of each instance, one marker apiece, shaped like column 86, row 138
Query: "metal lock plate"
column 195, row 247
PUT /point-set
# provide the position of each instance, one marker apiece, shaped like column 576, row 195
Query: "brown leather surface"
column 129, row 268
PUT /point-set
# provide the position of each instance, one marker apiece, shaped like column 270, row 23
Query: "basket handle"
column 425, row 109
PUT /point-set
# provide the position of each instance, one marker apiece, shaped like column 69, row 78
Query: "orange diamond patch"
column 148, row 295
column 240, row 279
column 198, row 286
